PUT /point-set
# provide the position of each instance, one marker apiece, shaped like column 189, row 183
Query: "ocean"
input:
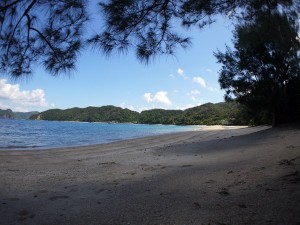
column 36, row 134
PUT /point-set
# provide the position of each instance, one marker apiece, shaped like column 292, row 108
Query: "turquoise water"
column 32, row 134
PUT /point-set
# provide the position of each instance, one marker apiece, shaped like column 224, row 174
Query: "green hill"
column 207, row 114
column 90, row 114
column 160, row 116
column 214, row 114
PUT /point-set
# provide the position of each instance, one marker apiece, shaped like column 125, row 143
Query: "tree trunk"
column 274, row 119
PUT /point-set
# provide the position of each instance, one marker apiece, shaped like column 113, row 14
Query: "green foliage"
column 263, row 70
column 90, row 114
column 207, row 114
column 217, row 114
column 147, row 26
column 50, row 32
column 44, row 32
column 160, row 116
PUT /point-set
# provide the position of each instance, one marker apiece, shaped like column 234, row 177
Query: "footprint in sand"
column 288, row 161
column 23, row 215
column 58, row 197
column 223, row 192
column 13, row 170
column 36, row 194
column 70, row 186
column 42, row 192
column 293, row 178
column 284, row 162
column 184, row 166
column 243, row 206
column 11, row 199
column 210, row 181
column 103, row 190
column 197, row 205
column 107, row 164
column 290, row 146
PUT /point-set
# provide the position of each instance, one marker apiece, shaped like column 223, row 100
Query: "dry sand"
column 222, row 175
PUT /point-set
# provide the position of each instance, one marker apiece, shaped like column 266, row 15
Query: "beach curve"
column 219, row 175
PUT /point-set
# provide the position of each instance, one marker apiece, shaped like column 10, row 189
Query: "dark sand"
column 217, row 176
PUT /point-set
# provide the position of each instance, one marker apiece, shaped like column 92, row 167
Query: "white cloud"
column 147, row 97
column 4, row 106
column 180, row 72
column 159, row 97
column 194, row 98
column 199, row 80
column 131, row 107
column 193, row 94
column 188, row 106
column 143, row 108
column 172, row 76
column 14, row 107
column 124, row 106
column 209, row 70
column 213, row 89
column 20, row 100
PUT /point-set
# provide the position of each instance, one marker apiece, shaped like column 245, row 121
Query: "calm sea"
column 32, row 134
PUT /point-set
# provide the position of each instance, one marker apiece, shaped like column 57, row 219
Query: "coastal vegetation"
column 90, row 114
column 262, row 71
column 208, row 114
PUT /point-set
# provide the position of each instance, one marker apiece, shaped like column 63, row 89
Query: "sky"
column 189, row 79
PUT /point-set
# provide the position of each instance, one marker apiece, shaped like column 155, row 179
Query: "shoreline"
column 216, row 176
column 201, row 128
column 44, row 145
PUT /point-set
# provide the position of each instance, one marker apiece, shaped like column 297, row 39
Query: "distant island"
column 9, row 114
column 206, row 114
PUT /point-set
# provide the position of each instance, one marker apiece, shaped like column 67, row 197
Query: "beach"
column 218, row 175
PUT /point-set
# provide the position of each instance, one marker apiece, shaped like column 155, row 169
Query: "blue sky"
column 187, row 80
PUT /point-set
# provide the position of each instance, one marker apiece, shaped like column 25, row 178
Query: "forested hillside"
column 90, row 114
column 207, row 114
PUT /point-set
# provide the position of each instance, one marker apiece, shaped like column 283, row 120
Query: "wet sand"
column 220, row 175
